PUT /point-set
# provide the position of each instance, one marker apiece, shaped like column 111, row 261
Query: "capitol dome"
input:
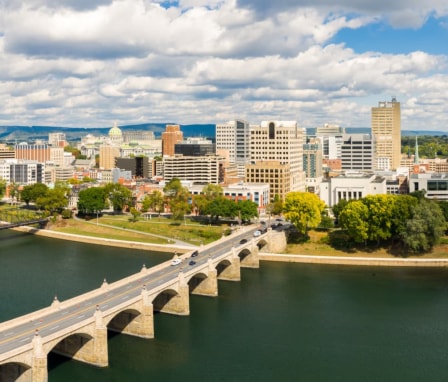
column 115, row 133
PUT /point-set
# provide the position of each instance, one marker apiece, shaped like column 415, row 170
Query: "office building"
column 199, row 170
column 357, row 152
column 194, row 147
column 108, row 154
column 170, row 137
column 138, row 166
column 386, row 131
column 234, row 138
column 280, row 142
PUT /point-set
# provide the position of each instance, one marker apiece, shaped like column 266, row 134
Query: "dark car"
column 243, row 241
column 192, row 262
column 194, row 254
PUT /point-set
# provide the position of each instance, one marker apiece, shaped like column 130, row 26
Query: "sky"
column 90, row 63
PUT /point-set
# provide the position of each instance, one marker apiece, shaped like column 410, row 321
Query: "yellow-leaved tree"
column 303, row 209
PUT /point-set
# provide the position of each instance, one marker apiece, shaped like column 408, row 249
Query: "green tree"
column 247, row 210
column 92, row 200
column 179, row 204
column 353, row 218
column 303, row 209
column 2, row 187
column 119, row 196
column 221, row 206
column 276, row 206
column 380, row 217
column 135, row 214
column 154, row 201
column 402, row 211
column 212, row 191
column 53, row 201
column 337, row 208
column 31, row 192
column 425, row 228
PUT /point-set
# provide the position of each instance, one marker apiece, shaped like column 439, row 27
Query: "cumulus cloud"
column 80, row 63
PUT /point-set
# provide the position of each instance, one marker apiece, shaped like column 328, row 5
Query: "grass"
column 192, row 232
column 316, row 246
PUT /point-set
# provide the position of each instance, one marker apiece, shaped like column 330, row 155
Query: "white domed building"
column 115, row 134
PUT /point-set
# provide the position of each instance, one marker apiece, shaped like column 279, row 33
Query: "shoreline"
column 275, row 257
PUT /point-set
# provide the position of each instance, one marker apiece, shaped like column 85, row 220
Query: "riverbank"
column 169, row 248
column 346, row 260
column 368, row 260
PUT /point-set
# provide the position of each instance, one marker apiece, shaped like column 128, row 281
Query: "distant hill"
column 12, row 134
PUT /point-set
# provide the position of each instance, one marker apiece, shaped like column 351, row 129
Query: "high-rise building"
column 107, row 156
column 386, row 131
column 280, row 142
column 357, row 152
column 194, row 147
column 234, row 137
column 312, row 163
column 39, row 153
column 170, row 137
column 57, row 139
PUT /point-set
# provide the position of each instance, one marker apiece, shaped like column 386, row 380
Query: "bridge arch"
column 15, row 371
column 121, row 321
column 74, row 345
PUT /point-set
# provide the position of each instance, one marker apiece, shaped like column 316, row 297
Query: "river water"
column 282, row 322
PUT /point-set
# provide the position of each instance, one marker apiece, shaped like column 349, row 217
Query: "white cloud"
column 89, row 63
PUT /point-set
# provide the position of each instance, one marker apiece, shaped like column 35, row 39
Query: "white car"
column 257, row 233
column 176, row 262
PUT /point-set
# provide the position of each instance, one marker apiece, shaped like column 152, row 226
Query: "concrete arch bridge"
column 77, row 328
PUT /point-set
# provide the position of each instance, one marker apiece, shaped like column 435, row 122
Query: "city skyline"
column 78, row 63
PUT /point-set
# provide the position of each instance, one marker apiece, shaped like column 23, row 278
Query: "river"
column 282, row 322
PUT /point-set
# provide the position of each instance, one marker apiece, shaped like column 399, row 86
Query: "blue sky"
column 431, row 37
column 93, row 62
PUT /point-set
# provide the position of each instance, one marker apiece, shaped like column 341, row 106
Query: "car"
column 243, row 241
column 194, row 254
column 176, row 262
column 192, row 262
column 257, row 233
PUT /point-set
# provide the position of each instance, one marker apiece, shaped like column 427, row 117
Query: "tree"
column 212, row 191
column 54, row 200
column 353, row 218
column 119, row 196
column 425, row 227
column 2, row 187
column 303, row 209
column 275, row 207
column 92, row 200
column 154, row 201
column 179, row 204
column 247, row 209
column 380, row 217
column 221, row 206
column 32, row 192
column 178, row 198
column 135, row 214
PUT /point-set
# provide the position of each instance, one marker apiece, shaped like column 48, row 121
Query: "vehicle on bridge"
column 194, row 254
column 257, row 233
column 176, row 262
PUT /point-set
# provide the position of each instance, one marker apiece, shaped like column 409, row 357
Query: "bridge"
column 16, row 217
column 77, row 328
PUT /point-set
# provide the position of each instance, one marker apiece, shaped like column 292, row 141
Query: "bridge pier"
column 39, row 365
column 252, row 260
column 92, row 348
column 231, row 270
column 209, row 285
column 140, row 325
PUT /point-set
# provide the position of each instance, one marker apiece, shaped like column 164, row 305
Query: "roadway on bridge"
column 63, row 318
